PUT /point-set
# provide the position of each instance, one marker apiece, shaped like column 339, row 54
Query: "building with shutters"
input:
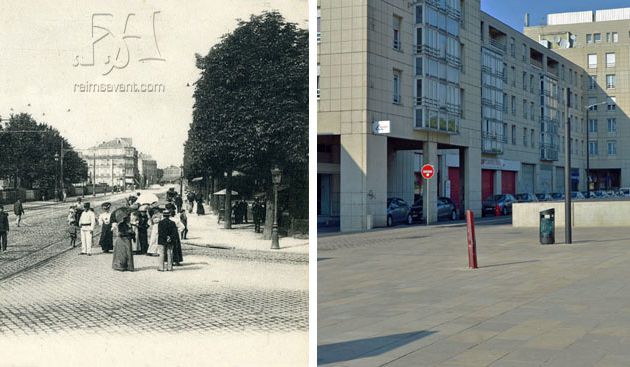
column 482, row 102
column 113, row 162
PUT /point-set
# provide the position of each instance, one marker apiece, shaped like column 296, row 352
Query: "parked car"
column 526, row 198
column 398, row 211
column 445, row 207
column 557, row 196
column 504, row 202
column 576, row 195
column 625, row 191
column 611, row 194
column 543, row 197
column 599, row 194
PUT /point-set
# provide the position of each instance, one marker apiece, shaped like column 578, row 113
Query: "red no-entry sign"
column 427, row 171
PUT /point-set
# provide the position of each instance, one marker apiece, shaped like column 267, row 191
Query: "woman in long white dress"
column 153, row 239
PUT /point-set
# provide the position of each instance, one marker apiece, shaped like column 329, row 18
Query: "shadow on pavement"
column 362, row 348
column 608, row 240
column 323, row 258
column 512, row 263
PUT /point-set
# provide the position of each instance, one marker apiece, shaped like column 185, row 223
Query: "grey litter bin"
column 547, row 226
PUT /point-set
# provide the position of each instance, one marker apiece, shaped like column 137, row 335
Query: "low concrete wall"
column 585, row 213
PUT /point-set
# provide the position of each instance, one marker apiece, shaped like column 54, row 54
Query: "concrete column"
column 400, row 177
column 363, row 181
column 471, row 163
column 497, row 182
column 429, row 198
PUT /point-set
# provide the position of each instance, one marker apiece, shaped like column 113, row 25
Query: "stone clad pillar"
column 470, row 160
column 430, row 189
column 363, row 181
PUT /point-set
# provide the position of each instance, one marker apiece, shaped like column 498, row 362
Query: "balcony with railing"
column 492, row 143
column 548, row 152
column 497, row 39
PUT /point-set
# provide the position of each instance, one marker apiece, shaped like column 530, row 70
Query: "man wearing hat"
column 167, row 237
column 4, row 228
column 87, row 222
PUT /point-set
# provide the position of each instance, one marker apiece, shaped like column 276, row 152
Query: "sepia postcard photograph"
column 154, row 183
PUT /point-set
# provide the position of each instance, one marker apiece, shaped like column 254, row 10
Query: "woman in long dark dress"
column 143, row 227
column 106, row 241
column 178, row 256
column 200, row 210
column 123, row 257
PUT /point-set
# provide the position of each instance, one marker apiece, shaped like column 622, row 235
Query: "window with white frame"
column 612, row 125
column 396, row 87
column 592, row 102
column 592, row 148
column 397, row 21
column 589, row 38
column 597, row 37
column 612, row 103
column 612, row 147
column 615, row 37
column 610, row 81
column 592, row 61
column 610, row 60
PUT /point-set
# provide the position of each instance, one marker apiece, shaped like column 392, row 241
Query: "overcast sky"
column 46, row 60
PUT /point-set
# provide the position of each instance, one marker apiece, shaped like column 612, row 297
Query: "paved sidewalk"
column 405, row 297
column 205, row 231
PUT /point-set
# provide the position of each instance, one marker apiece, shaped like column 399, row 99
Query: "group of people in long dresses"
column 134, row 229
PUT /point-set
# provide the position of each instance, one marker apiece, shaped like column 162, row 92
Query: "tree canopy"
column 251, row 103
column 28, row 151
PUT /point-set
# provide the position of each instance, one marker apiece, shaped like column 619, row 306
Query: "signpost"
column 427, row 171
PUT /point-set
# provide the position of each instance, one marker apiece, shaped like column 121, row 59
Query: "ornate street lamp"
column 276, row 177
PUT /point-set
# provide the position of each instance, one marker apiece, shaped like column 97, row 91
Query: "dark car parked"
column 526, row 198
column 543, row 197
column 557, row 196
column 504, row 202
column 398, row 211
column 445, row 207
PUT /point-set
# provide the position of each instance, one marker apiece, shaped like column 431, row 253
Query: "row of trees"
column 27, row 155
column 251, row 111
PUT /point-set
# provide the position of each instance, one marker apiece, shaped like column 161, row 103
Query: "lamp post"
column 276, row 177
column 588, row 148
column 56, row 183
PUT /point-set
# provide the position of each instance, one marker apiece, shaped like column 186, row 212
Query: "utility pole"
column 94, row 173
column 61, row 169
column 567, row 170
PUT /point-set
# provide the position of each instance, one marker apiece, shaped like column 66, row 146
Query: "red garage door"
column 487, row 183
column 453, row 176
column 508, row 182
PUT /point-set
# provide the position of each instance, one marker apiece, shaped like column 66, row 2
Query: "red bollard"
column 472, row 241
column 497, row 210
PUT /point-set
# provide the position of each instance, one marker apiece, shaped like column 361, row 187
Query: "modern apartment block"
column 598, row 41
column 480, row 101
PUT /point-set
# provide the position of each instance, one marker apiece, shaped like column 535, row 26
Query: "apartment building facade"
column 113, row 162
column 598, row 41
column 459, row 89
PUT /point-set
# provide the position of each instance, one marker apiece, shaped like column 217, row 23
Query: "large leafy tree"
column 28, row 149
column 251, row 105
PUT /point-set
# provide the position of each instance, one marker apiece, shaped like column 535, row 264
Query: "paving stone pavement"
column 224, row 307
column 404, row 297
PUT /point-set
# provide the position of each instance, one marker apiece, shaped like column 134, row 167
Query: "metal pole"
column 94, row 173
column 181, row 181
column 61, row 170
column 428, row 200
column 275, row 245
column 567, row 171
column 588, row 152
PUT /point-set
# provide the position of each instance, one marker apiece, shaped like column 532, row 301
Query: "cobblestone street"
column 220, row 302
